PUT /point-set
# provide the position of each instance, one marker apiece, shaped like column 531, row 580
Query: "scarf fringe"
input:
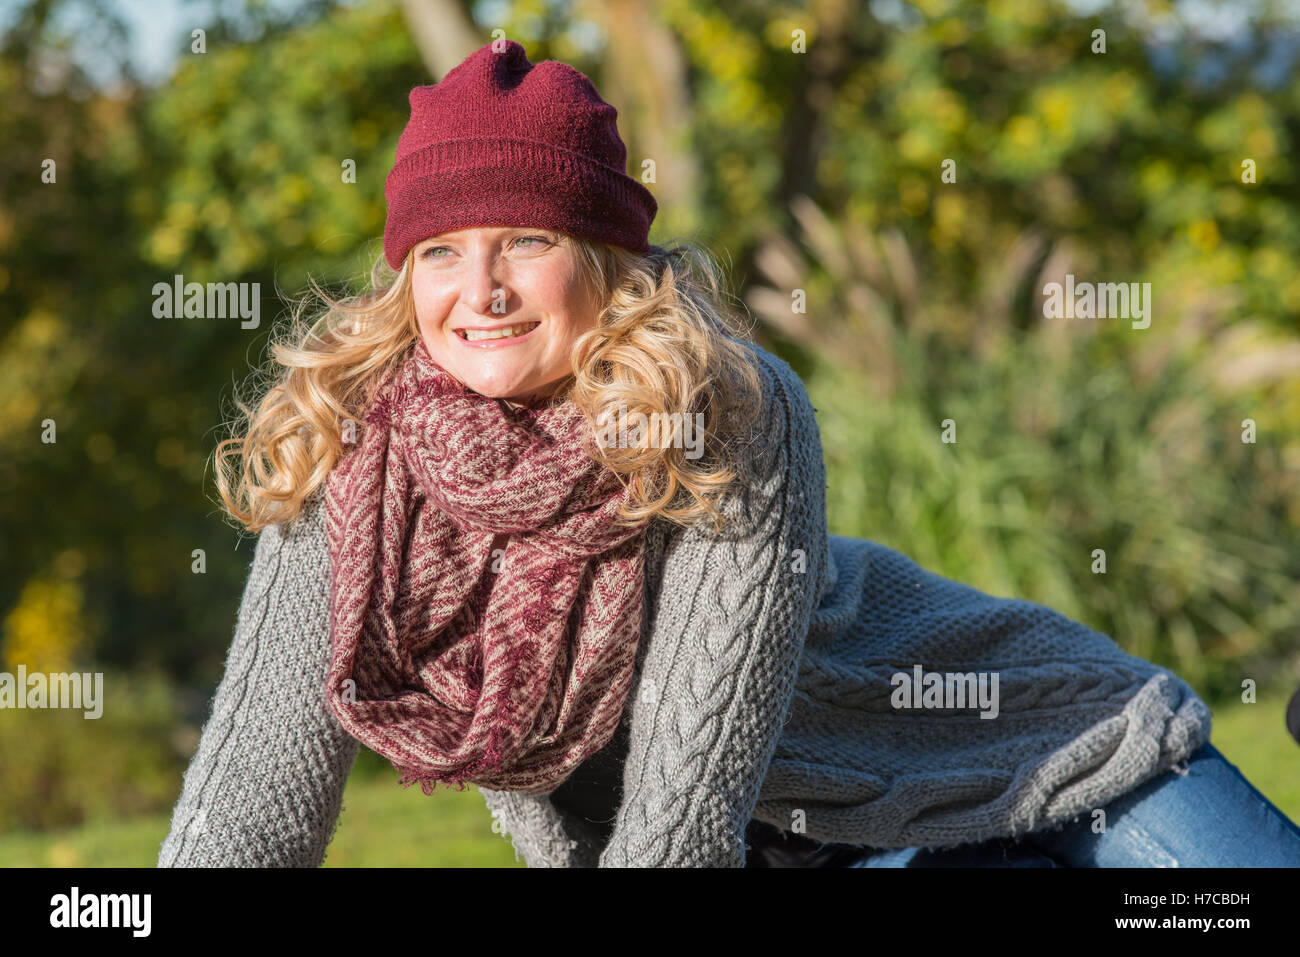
column 455, row 780
column 429, row 782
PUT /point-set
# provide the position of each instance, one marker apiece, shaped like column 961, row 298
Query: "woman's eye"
column 534, row 242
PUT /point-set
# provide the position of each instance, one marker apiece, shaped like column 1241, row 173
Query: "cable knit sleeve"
column 727, row 616
column 265, row 787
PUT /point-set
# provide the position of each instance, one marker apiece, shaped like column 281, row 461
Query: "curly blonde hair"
column 666, row 341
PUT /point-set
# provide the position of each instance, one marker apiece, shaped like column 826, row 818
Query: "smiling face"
column 500, row 307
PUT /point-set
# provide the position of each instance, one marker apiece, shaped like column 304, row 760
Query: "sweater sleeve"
column 265, row 787
column 727, row 620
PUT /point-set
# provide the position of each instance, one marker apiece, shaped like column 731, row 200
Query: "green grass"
column 384, row 825
column 1255, row 739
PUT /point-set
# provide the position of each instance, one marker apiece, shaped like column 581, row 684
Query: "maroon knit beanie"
column 501, row 142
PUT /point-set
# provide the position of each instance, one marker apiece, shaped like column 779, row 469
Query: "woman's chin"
column 495, row 389
column 511, row 385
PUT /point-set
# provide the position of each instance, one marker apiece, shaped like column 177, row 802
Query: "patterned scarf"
column 457, row 661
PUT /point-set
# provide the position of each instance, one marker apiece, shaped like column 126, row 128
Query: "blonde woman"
column 536, row 516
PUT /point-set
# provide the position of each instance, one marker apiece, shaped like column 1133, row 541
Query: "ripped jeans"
column 1210, row 816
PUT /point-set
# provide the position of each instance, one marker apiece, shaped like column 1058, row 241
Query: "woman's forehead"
column 489, row 232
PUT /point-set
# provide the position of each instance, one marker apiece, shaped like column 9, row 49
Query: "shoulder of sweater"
column 775, row 445
column 779, row 372
column 785, row 430
column 775, row 450
column 304, row 536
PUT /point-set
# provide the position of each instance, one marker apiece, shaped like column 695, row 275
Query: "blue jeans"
column 1209, row 817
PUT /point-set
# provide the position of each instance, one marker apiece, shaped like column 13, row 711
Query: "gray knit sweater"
column 767, row 687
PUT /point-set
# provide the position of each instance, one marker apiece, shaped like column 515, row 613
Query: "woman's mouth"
column 497, row 335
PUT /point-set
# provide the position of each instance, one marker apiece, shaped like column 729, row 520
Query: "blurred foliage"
column 821, row 172
column 253, row 141
column 230, row 173
column 1064, row 443
column 44, row 630
column 63, row 768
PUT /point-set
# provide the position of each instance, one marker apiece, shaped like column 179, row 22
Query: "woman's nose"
column 484, row 291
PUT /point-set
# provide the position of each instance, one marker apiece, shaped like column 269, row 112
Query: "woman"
column 535, row 518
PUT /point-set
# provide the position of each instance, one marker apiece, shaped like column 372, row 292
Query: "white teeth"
column 505, row 332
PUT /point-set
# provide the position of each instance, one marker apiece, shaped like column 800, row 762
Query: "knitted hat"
column 501, row 142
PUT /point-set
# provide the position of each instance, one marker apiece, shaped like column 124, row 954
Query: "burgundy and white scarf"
column 455, row 663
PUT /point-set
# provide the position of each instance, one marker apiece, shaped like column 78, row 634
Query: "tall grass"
column 1071, row 436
